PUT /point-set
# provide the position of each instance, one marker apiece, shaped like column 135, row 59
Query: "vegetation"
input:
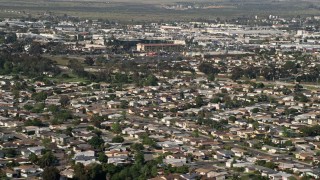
column 51, row 173
column 311, row 131
column 218, row 125
column 146, row 140
column 10, row 153
column 151, row 10
column 102, row 157
column 117, row 139
column 270, row 164
column 34, row 122
column 46, row 160
column 28, row 65
column 116, row 128
column 96, row 142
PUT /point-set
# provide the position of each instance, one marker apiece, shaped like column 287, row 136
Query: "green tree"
column 35, row 49
column 121, row 78
column 146, row 140
column 291, row 111
column 7, row 67
column 33, row 158
column 207, row 68
column 211, row 77
column 96, row 86
column 151, row 80
column 310, row 131
column 195, row 133
column 101, row 60
column 39, row 97
column 50, row 173
column 53, row 108
column 182, row 96
column 232, row 118
column 46, row 142
column 124, row 115
column 271, row 165
column 154, row 171
column 89, row 61
column 255, row 110
column 137, row 147
column 298, row 88
column 96, row 142
column 116, row 128
column 3, row 174
column 182, row 169
column 139, row 158
column 80, row 172
column 199, row 101
column 102, row 157
column 28, row 107
column 77, row 68
column 237, row 73
column 48, row 159
column 255, row 125
column 11, row 38
column 124, row 104
column 117, row 139
column 95, row 172
column 64, row 100
column 10, row 153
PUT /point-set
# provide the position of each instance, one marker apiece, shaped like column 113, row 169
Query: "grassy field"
column 72, row 78
column 151, row 10
column 63, row 60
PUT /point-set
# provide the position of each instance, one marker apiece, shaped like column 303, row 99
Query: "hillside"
column 150, row 10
